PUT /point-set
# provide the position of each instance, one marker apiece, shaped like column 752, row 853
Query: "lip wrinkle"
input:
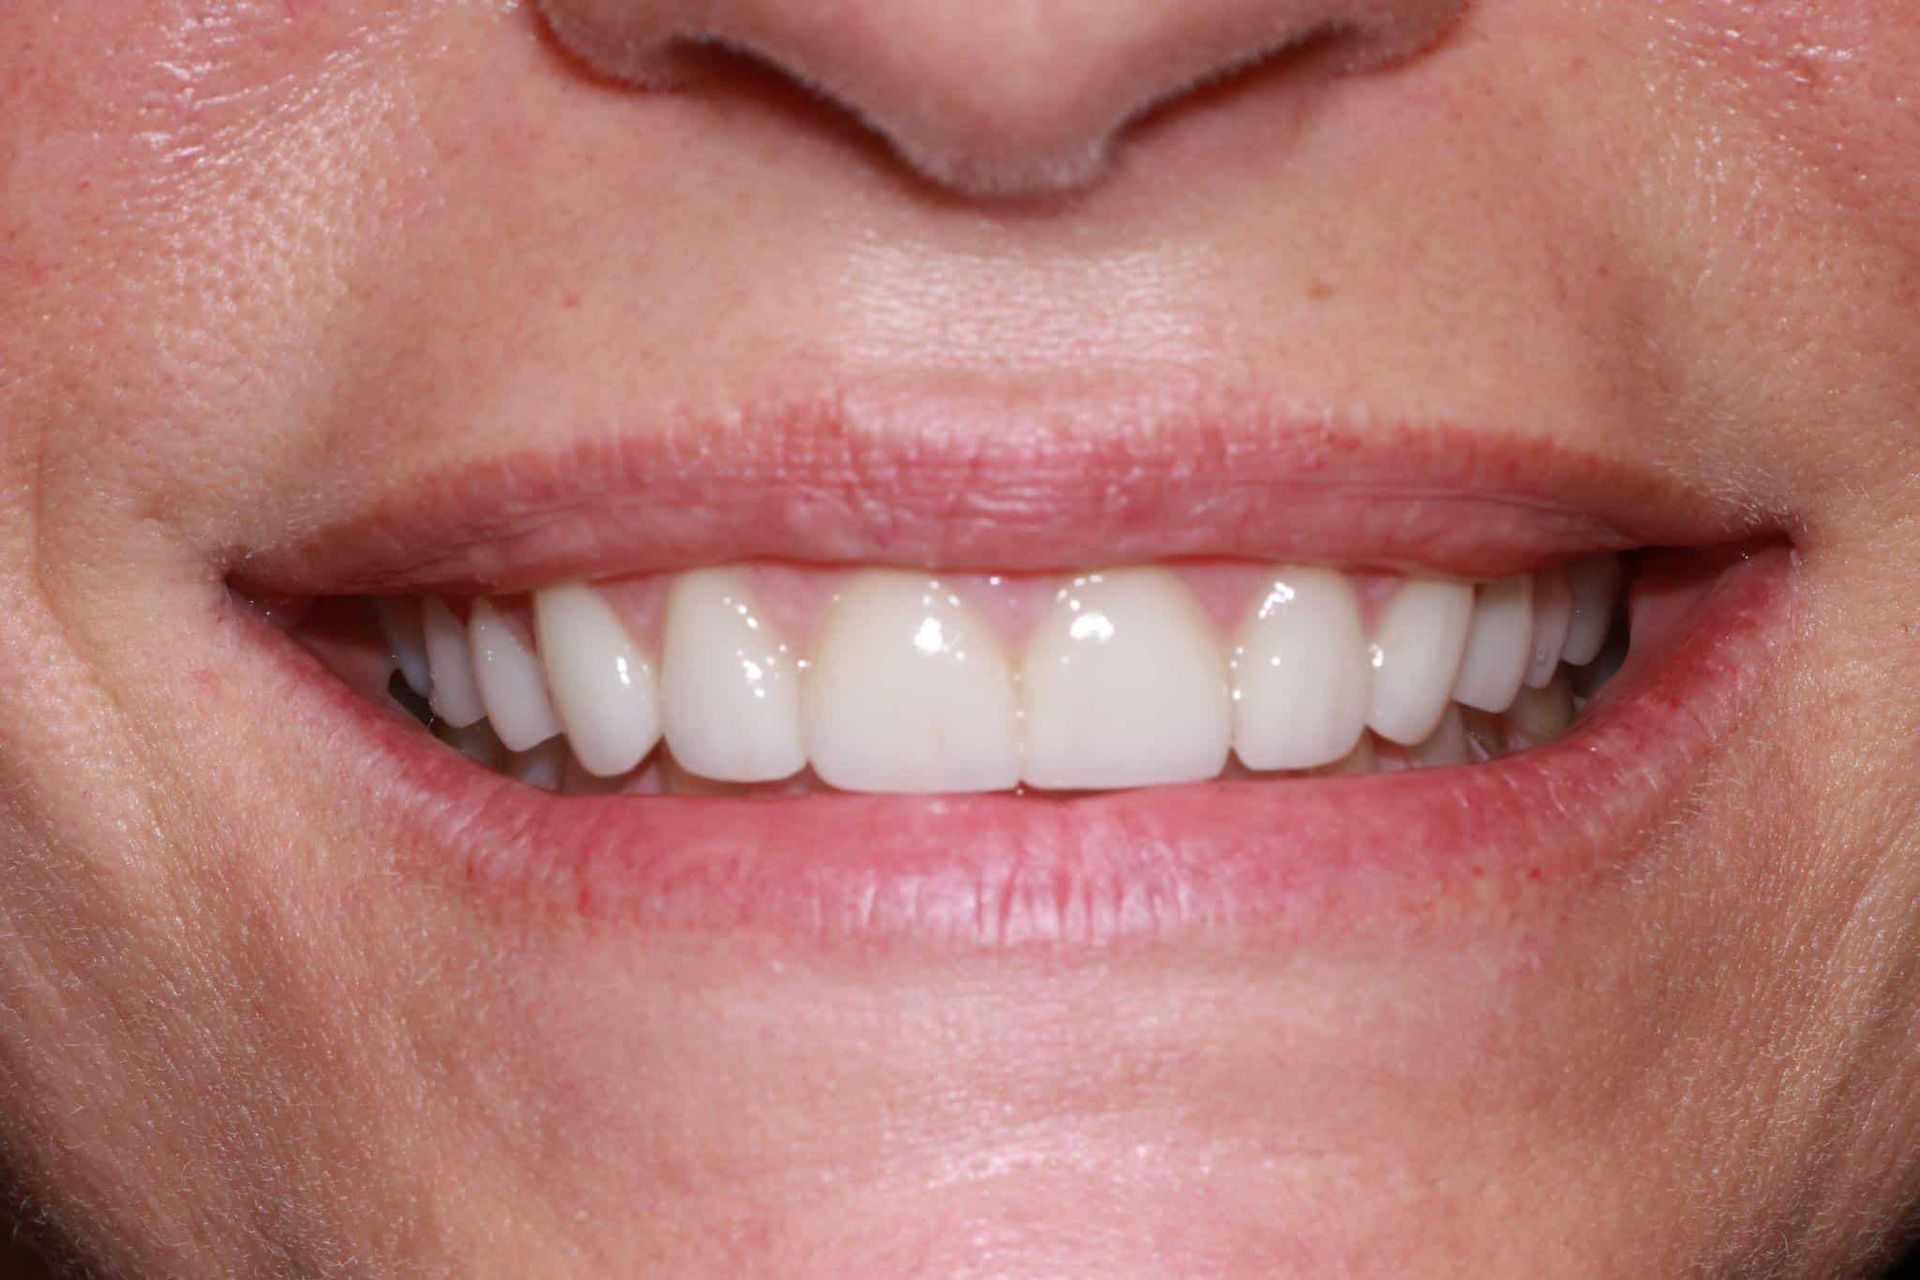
column 948, row 485
column 1230, row 862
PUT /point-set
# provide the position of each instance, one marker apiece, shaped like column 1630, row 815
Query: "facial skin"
column 261, row 264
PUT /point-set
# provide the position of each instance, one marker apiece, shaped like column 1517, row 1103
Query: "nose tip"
column 1002, row 97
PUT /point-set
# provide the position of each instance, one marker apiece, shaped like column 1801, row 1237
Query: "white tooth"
column 1552, row 614
column 1498, row 644
column 1595, row 582
column 455, row 697
column 604, row 686
column 909, row 692
column 1416, row 654
column 400, row 627
column 1301, row 682
column 511, row 684
column 1125, row 686
column 1448, row 744
column 729, row 688
column 1541, row 715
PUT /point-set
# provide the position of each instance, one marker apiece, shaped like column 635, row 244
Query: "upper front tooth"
column 729, row 687
column 456, row 696
column 1124, row 686
column 400, row 627
column 1301, row 682
column 1552, row 615
column 1595, row 582
column 604, row 687
column 1416, row 654
column 1498, row 641
column 908, row 692
column 511, row 684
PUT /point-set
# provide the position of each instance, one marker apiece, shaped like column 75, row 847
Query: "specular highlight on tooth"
column 455, row 696
column 1499, row 640
column 605, row 688
column 1124, row 685
column 1594, row 585
column 1416, row 652
column 729, row 685
column 909, row 692
column 1301, row 681
column 1552, row 615
column 512, row 685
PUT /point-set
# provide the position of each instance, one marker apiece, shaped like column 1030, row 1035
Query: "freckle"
column 1319, row 290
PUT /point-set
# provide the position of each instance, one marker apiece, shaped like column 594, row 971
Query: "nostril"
column 1001, row 97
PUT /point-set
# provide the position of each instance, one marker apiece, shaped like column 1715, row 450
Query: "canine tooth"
column 512, row 686
column 1124, row 686
column 400, row 628
column 1301, row 682
column 1552, row 614
column 1416, row 654
column 455, row 697
column 1499, row 640
column 1595, row 582
column 1541, row 715
column 729, row 687
column 908, row 692
column 605, row 689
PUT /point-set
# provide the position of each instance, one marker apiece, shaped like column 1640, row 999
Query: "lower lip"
column 1254, row 861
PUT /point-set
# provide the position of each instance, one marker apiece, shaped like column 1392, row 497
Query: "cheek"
column 1829, row 83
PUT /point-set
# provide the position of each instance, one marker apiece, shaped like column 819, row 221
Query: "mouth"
column 1063, row 686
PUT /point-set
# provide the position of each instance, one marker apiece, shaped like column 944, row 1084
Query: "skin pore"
column 264, row 266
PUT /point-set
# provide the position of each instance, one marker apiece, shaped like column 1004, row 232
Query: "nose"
column 993, row 96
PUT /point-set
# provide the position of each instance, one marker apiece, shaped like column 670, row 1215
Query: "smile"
column 1497, row 682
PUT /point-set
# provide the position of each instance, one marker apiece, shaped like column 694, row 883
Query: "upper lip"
column 1035, row 485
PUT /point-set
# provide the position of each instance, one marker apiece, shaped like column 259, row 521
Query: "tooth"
column 1416, row 654
column 1594, row 582
column 1447, row 745
column 604, row 687
column 1541, row 715
column 729, row 688
column 1499, row 641
column 908, row 692
column 400, row 627
column 455, row 697
column 1301, row 680
column 1487, row 733
column 1552, row 613
column 476, row 742
column 1362, row 759
column 1125, row 686
column 512, row 686
column 542, row 766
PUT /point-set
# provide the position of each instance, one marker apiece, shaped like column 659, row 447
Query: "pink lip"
column 945, row 484
column 1264, row 861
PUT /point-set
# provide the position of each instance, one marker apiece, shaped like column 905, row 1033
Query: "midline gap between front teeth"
column 903, row 682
